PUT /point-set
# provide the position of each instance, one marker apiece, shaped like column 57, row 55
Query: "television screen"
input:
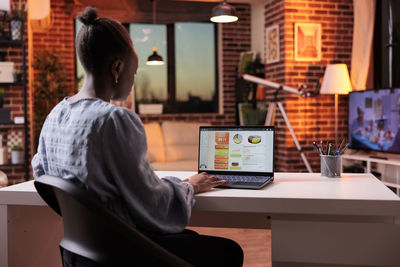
column 374, row 120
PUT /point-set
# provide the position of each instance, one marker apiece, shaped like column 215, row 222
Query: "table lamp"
column 336, row 81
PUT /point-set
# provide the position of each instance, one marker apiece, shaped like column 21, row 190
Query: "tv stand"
column 378, row 157
column 393, row 182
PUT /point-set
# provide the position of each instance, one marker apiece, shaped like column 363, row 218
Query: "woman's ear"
column 116, row 69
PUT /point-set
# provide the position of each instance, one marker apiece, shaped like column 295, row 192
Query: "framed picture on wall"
column 307, row 41
column 272, row 44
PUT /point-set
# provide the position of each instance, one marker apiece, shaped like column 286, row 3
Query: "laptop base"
column 246, row 185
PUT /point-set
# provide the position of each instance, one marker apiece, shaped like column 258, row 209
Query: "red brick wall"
column 312, row 118
column 235, row 39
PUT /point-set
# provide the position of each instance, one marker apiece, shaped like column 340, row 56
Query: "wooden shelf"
column 12, row 165
column 7, row 84
column 372, row 159
column 6, row 127
column 10, row 42
column 11, row 125
column 369, row 159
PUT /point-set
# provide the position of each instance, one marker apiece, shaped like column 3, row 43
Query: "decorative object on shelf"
column 16, row 28
column 14, row 138
column 19, row 120
column 272, row 43
column 16, row 23
column 307, row 41
column 17, row 75
column 223, row 13
column 6, row 69
column 17, row 154
column 3, row 179
column 3, row 152
column 5, row 115
column 3, row 23
column 154, row 59
column 48, row 89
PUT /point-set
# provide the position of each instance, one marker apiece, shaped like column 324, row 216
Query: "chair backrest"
column 94, row 232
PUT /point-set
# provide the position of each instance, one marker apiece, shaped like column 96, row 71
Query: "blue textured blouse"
column 104, row 147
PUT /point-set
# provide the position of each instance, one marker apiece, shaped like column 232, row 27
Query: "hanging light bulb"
column 224, row 13
column 154, row 59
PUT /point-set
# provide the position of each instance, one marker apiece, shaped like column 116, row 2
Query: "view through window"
column 187, row 82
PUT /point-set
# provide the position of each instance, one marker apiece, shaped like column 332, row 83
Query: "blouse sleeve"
column 158, row 205
column 39, row 162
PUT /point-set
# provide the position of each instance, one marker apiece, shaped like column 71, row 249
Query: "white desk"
column 315, row 221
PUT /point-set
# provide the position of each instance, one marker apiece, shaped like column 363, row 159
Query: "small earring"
column 116, row 79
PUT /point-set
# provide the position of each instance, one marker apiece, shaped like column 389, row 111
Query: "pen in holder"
column 331, row 166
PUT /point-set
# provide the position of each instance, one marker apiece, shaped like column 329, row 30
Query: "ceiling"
column 167, row 11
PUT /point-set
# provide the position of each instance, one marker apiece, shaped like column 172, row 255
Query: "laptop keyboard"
column 243, row 179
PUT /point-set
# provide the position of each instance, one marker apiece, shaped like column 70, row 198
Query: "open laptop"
column 241, row 155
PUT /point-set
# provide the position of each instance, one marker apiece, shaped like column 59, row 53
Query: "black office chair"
column 95, row 234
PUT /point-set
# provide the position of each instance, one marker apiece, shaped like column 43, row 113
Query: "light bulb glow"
column 155, row 63
column 224, row 19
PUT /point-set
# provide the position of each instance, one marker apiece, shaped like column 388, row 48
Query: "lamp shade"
column 5, row 5
column 224, row 13
column 154, row 59
column 336, row 80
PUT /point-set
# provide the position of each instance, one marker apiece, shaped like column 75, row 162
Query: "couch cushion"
column 181, row 140
column 155, row 142
column 182, row 165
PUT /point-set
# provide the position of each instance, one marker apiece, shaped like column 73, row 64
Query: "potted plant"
column 17, row 154
column 48, row 89
column 17, row 75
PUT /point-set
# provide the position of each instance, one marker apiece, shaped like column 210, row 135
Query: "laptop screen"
column 247, row 149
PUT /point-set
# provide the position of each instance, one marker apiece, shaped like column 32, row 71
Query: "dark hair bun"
column 88, row 16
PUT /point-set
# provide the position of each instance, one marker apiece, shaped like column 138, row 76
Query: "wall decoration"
column 245, row 59
column 272, row 44
column 307, row 41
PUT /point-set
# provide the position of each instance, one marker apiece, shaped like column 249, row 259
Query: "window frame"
column 171, row 103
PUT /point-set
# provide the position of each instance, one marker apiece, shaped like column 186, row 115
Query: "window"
column 150, row 81
column 188, row 81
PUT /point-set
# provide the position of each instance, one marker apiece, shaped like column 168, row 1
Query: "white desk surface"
column 295, row 193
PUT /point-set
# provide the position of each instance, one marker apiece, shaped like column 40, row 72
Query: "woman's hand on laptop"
column 203, row 182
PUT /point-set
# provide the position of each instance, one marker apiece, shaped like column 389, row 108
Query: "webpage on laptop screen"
column 236, row 150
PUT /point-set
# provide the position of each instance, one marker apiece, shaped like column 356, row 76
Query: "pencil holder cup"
column 331, row 166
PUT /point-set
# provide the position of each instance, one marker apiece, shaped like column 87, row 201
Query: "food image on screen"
column 235, row 163
column 237, row 138
column 254, row 139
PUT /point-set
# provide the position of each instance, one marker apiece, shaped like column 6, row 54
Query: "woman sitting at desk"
column 103, row 147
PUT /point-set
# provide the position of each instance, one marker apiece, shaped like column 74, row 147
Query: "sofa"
column 172, row 145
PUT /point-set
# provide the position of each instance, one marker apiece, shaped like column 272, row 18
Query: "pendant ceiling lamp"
column 154, row 59
column 224, row 13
